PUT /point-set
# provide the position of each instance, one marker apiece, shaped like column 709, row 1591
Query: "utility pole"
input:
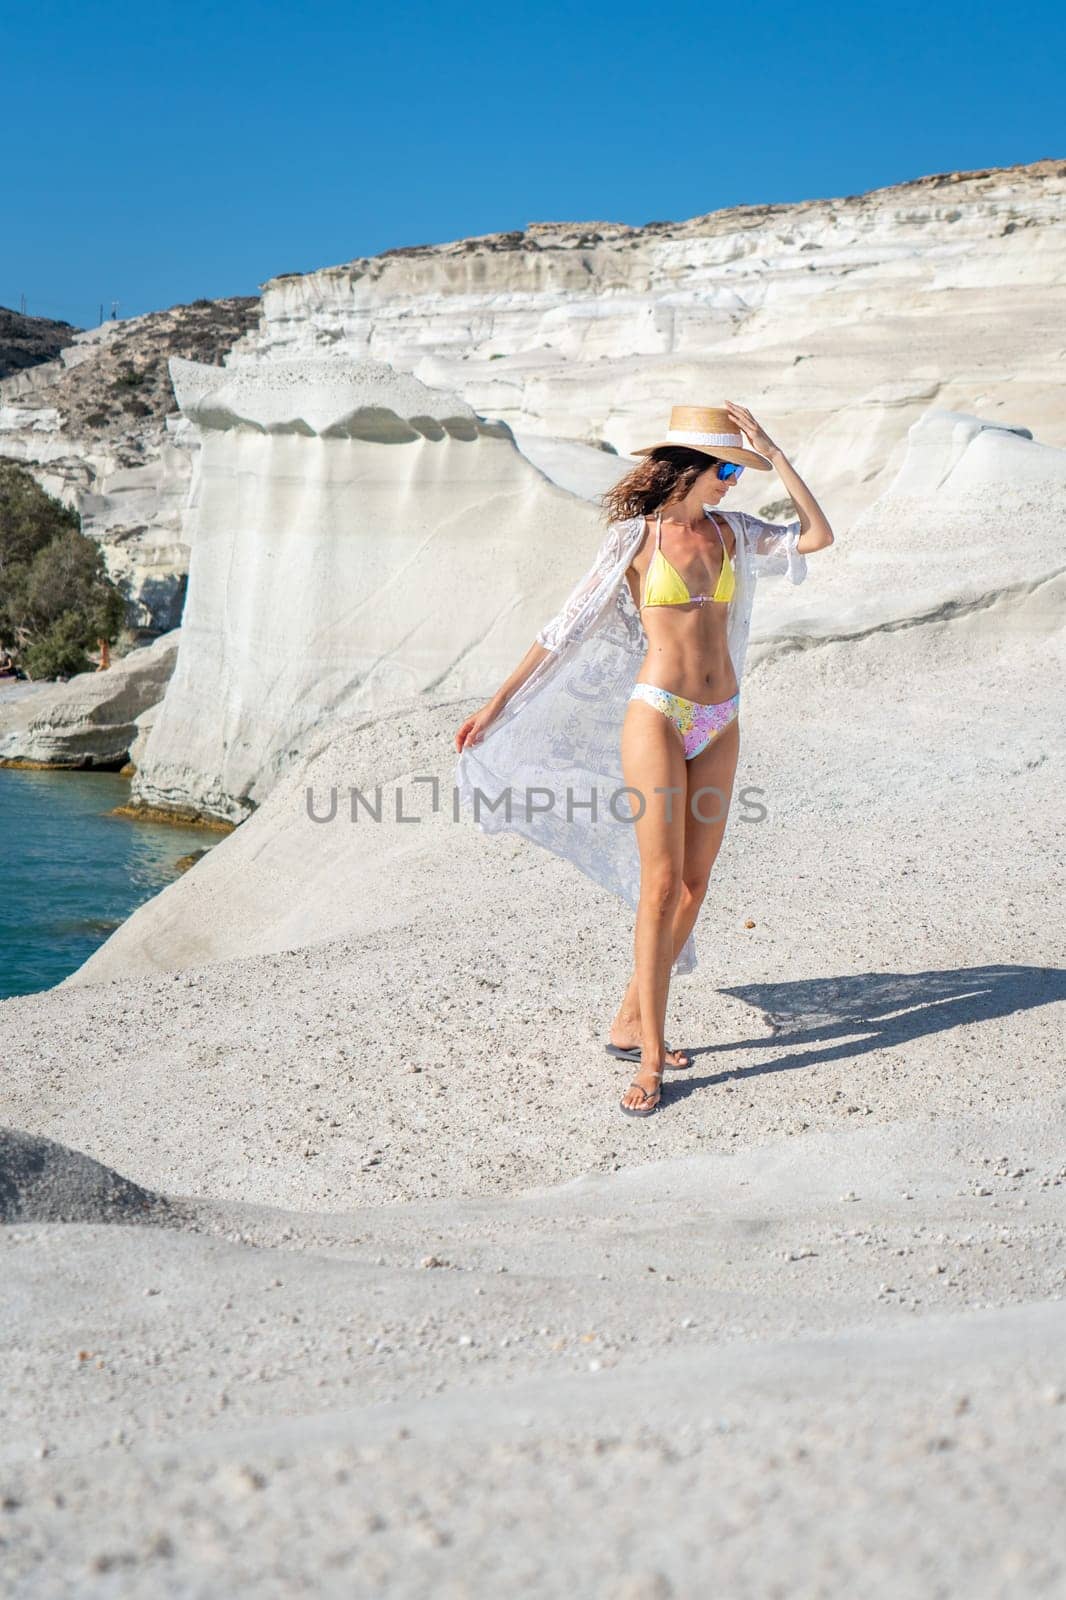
column 101, row 312
column 22, row 304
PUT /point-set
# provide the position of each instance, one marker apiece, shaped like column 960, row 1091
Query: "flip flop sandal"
column 644, row 1110
column 633, row 1054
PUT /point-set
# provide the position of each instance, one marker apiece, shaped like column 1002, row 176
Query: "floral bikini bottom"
column 696, row 723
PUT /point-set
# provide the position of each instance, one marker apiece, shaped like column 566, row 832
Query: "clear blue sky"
column 156, row 152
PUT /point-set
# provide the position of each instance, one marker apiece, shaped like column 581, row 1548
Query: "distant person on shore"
column 7, row 665
column 105, row 655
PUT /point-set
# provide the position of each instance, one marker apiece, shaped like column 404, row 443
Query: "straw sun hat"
column 710, row 430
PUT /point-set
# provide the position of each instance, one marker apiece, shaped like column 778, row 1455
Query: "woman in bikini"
column 680, row 733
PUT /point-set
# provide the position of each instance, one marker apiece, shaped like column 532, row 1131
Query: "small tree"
column 56, row 599
column 29, row 518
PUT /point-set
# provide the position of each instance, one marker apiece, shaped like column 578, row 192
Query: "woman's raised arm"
column 814, row 530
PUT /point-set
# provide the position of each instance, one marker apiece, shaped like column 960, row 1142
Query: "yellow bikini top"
column 664, row 585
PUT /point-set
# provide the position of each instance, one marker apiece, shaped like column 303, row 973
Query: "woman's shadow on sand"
column 871, row 1011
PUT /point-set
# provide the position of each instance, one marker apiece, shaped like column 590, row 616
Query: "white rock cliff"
column 357, row 540
column 838, row 321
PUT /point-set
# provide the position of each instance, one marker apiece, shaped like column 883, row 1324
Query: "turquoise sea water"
column 69, row 873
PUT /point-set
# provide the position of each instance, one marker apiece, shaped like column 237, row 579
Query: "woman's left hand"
column 760, row 440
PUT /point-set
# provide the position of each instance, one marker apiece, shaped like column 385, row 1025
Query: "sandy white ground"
column 721, row 1373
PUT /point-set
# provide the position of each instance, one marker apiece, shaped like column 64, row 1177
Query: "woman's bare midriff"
column 688, row 652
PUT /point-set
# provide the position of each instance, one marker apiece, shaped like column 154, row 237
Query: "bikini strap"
column 725, row 552
column 658, row 536
column 658, row 530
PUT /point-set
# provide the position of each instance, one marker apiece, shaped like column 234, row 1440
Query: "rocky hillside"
column 27, row 341
column 99, row 427
column 112, row 384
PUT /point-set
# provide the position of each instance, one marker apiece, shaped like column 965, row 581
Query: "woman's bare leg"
column 625, row 1026
column 714, row 768
column 653, row 759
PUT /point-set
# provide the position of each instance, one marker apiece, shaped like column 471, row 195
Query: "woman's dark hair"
column 668, row 473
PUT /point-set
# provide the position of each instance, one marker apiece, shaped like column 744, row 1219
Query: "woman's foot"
column 625, row 1035
column 644, row 1093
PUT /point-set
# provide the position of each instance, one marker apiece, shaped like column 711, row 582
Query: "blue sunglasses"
column 727, row 470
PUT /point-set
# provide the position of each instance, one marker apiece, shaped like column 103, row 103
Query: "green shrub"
column 60, row 651
column 56, row 599
column 29, row 518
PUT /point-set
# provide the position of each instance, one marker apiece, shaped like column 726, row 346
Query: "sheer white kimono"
column 549, row 766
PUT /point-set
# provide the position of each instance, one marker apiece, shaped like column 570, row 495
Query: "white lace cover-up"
column 550, row 763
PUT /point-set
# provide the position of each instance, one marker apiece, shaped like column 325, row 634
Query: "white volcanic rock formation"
column 357, row 539
column 838, row 321
column 91, row 720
